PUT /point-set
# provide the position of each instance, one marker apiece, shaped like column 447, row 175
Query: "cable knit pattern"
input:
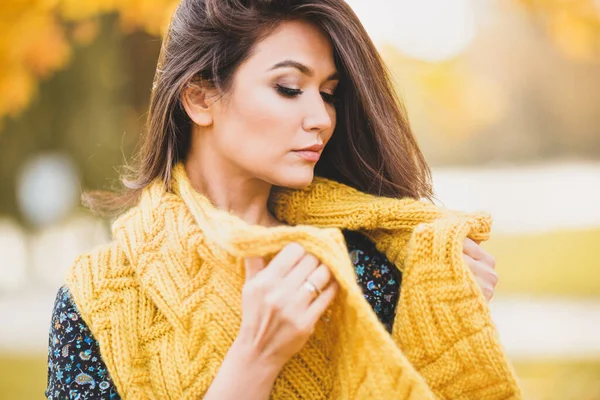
column 164, row 298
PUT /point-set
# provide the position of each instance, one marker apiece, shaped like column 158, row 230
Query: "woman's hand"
column 482, row 265
column 279, row 308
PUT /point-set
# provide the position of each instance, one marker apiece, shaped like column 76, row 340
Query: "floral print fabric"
column 75, row 368
column 379, row 278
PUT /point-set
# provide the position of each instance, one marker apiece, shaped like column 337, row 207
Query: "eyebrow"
column 303, row 68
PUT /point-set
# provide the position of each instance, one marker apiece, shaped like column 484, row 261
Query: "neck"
column 229, row 189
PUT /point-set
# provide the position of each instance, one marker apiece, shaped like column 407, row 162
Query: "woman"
column 273, row 130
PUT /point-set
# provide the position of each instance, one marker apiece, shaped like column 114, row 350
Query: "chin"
column 295, row 179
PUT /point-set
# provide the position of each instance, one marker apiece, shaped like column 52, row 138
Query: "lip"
column 312, row 156
column 315, row 147
column 311, row 153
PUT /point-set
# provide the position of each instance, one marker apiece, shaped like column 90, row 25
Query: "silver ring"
column 311, row 288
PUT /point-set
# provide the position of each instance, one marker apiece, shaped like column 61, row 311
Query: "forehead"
column 300, row 41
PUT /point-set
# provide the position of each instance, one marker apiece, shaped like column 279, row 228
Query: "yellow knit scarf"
column 164, row 298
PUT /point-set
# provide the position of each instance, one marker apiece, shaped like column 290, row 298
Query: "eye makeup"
column 292, row 93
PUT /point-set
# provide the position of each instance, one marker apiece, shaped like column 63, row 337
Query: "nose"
column 319, row 116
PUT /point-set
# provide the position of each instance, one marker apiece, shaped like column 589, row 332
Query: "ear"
column 198, row 104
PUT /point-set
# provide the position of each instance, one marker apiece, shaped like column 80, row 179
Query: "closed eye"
column 288, row 92
column 291, row 93
column 329, row 98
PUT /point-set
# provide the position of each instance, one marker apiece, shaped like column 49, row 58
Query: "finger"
column 488, row 293
column 472, row 249
column 481, row 268
column 485, row 276
column 284, row 261
column 485, row 257
column 320, row 304
column 489, row 260
column 253, row 265
column 485, row 272
column 301, row 271
column 485, row 287
column 320, row 277
column 471, row 263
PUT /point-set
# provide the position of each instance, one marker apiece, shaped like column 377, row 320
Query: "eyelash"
column 291, row 93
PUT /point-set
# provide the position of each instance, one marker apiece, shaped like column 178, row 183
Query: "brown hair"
column 372, row 149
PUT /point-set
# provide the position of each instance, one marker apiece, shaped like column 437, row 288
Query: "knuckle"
column 256, row 293
column 494, row 278
column 310, row 259
column 273, row 303
column 294, row 247
column 470, row 247
column 320, row 272
column 251, row 289
column 303, row 328
column 246, row 291
column 258, row 285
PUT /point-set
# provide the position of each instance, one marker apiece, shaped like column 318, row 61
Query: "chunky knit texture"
column 164, row 298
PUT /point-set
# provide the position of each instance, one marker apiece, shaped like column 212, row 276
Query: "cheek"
column 261, row 122
column 264, row 106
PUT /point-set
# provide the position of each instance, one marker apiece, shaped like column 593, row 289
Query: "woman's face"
column 281, row 102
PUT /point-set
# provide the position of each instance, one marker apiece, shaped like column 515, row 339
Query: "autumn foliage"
column 38, row 35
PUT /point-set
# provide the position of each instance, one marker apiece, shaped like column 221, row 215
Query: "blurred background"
column 504, row 96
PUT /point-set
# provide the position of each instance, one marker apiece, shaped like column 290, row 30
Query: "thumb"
column 253, row 265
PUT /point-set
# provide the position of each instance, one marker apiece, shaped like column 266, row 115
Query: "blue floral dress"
column 75, row 367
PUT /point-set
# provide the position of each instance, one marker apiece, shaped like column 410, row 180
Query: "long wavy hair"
column 372, row 149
